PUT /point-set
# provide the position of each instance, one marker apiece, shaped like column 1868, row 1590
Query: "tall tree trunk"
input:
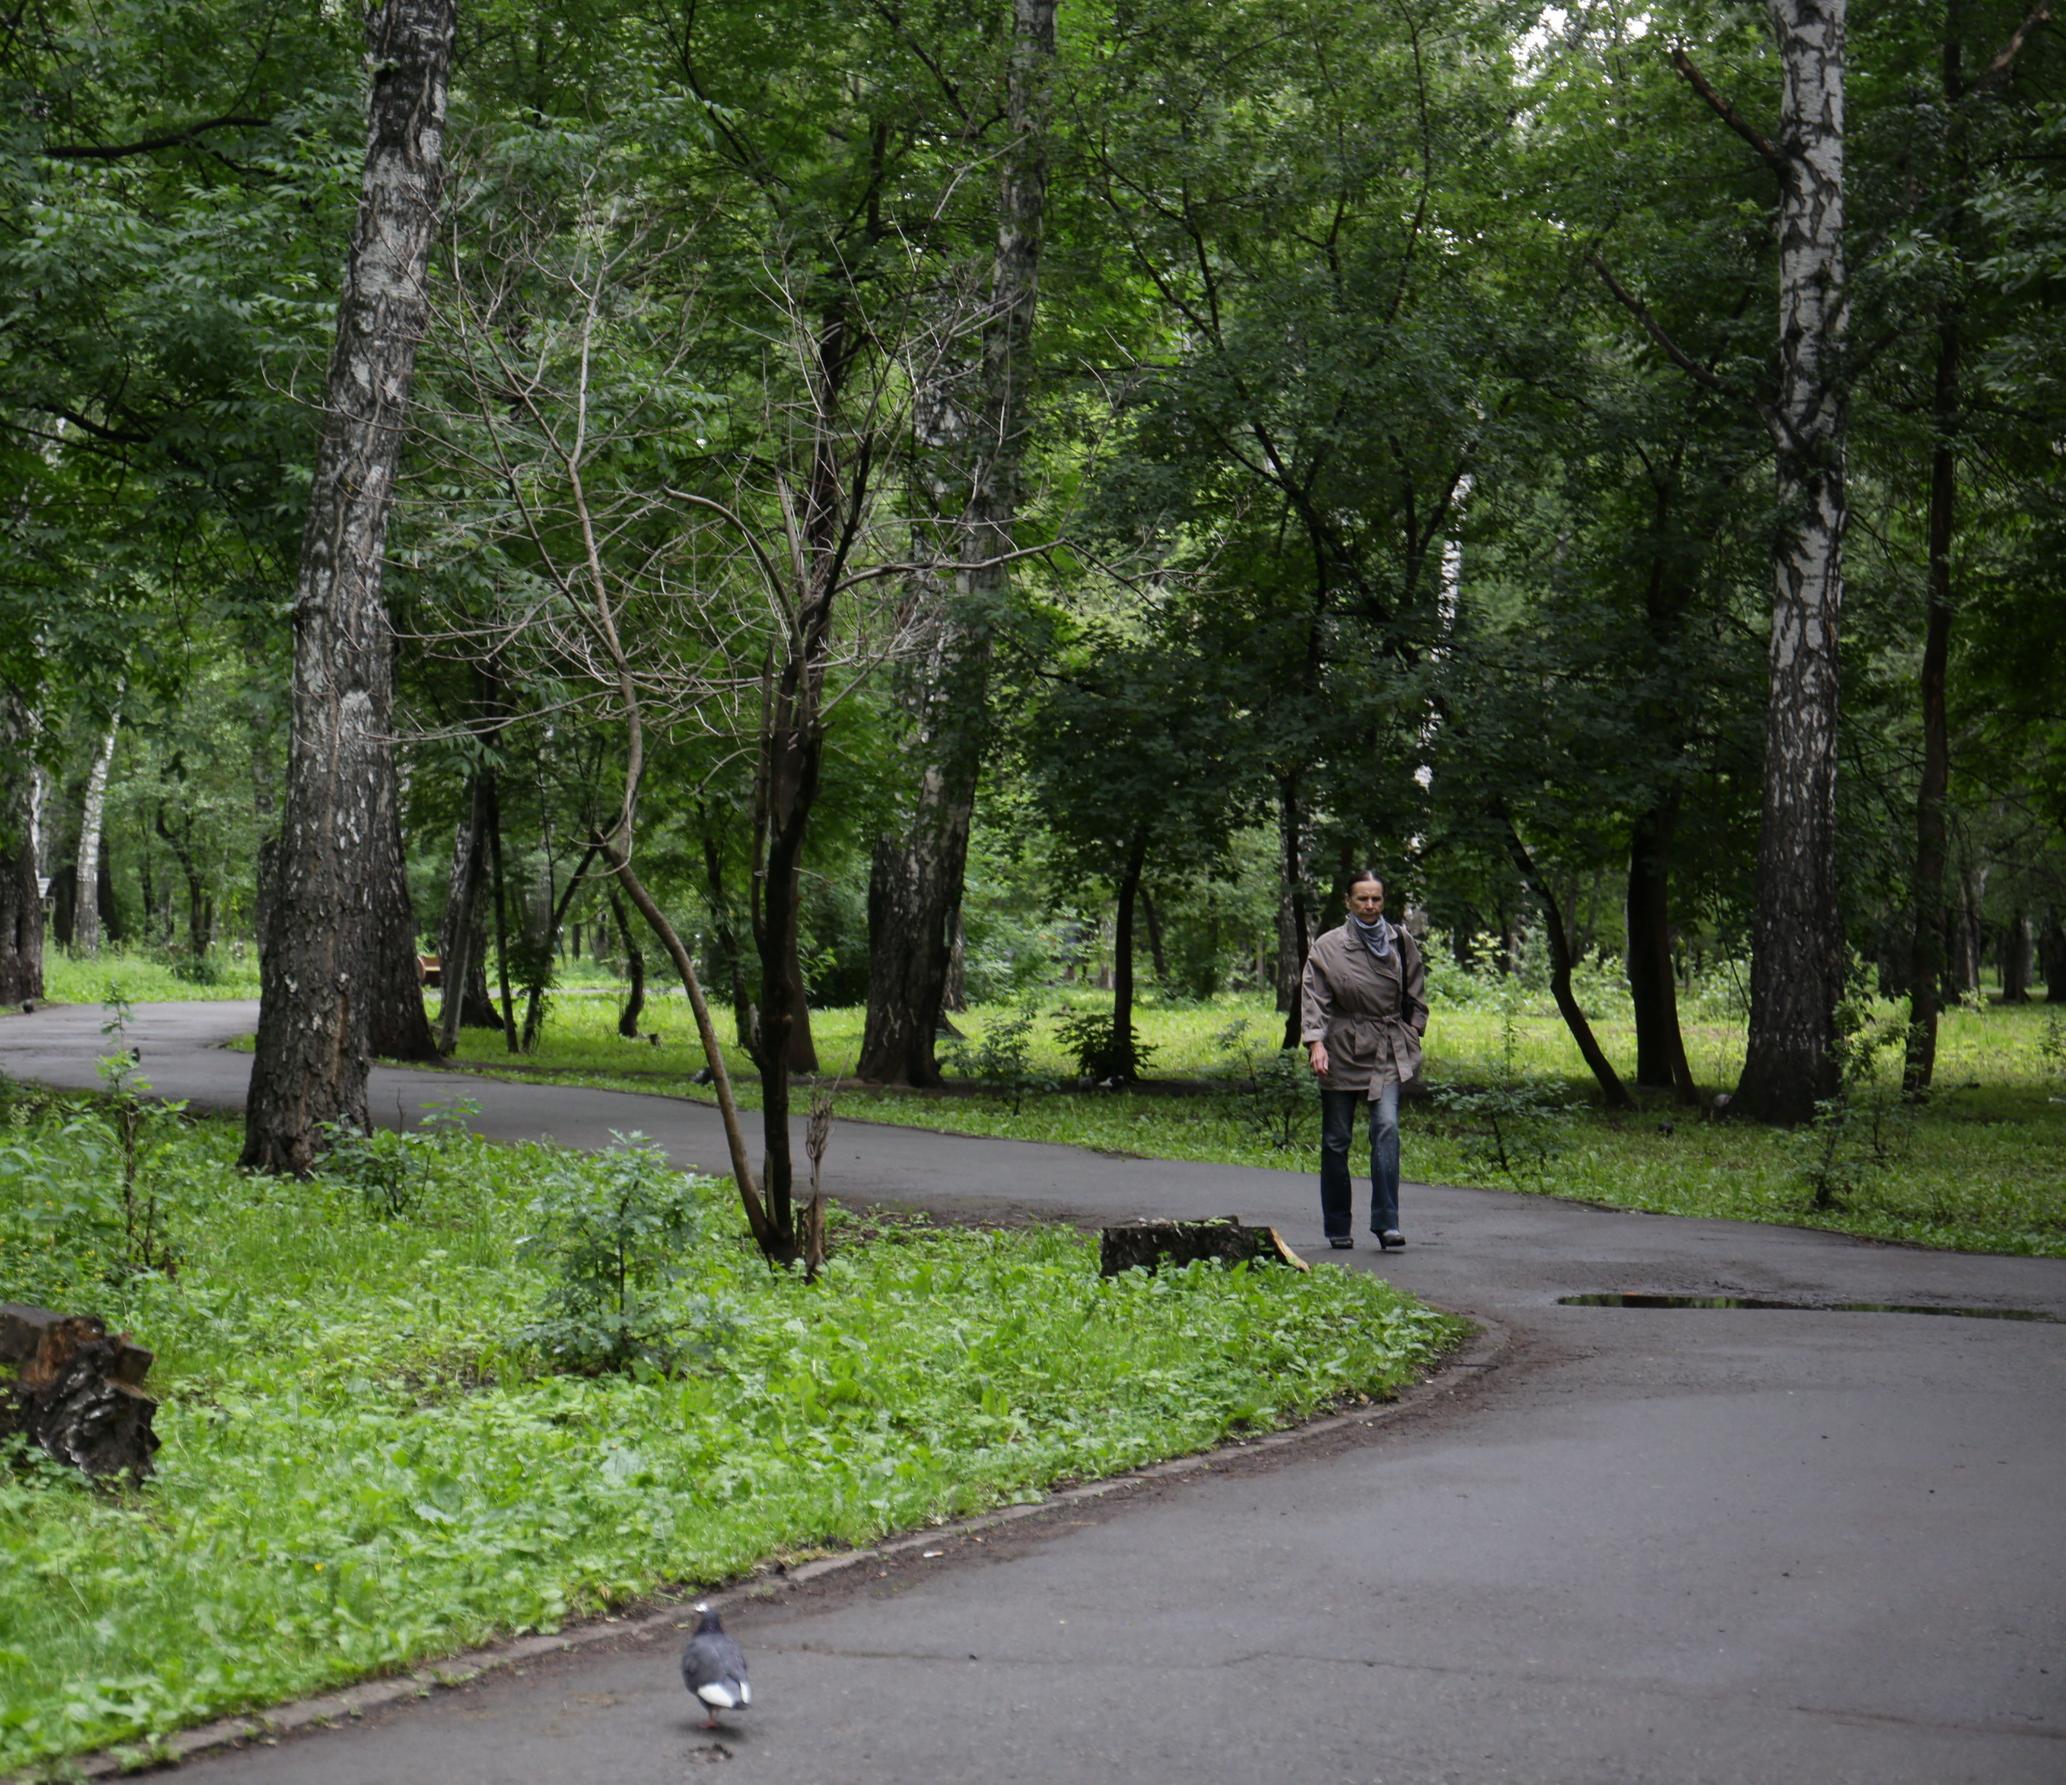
column 2015, row 959
column 555, row 919
column 1926, row 950
column 1611, row 1087
column 955, row 995
column 731, row 958
column 398, row 1025
column 635, row 969
column 199, row 929
column 86, row 925
column 112, row 927
column 1967, row 932
column 501, row 892
column 1125, row 1067
column 319, row 966
column 1797, row 948
column 1653, row 985
column 21, row 899
column 803, row 1050
column 1294, row 937
column 462, row 941
column 2051, row 955
column 1156, row 953
column 915, row 879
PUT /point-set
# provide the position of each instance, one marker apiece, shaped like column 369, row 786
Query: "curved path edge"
column 1689, row 1545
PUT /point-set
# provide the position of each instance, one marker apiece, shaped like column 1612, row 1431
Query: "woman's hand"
column 1316, row 1057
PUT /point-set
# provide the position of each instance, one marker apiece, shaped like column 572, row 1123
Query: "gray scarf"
column 1377, row 937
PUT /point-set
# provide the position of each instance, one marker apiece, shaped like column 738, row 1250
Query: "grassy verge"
column 144, row 977
column 363, row 1466
column 1982, row 1167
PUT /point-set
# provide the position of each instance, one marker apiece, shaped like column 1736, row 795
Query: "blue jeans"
column 1337, row 1125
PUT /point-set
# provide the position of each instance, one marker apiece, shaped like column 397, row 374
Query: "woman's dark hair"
column 1362, row 874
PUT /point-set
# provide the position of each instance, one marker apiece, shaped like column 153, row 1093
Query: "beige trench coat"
column 1370, row 1013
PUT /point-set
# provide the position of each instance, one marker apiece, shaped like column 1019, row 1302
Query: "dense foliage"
column 1393, row 483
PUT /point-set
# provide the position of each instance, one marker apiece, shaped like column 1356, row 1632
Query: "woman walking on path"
column 1364, row 1011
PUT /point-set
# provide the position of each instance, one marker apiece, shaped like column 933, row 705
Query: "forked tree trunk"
column 915, row 879
column 1797, row 948
column 21, row 903
column 463, row 935
column 319, row 965
column 86, row 921
column 1611, row 1087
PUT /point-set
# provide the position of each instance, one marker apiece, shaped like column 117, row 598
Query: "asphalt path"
column 1683, row 1545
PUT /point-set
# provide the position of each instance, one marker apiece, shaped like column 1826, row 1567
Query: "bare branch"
column 1775, row 158
column 1686, row 363
column 2000, row 68
column 148, row 145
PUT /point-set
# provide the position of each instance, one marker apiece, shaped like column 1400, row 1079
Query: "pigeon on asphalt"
column 713, row 1667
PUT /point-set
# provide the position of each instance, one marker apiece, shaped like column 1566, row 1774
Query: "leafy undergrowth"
column 363, row 1468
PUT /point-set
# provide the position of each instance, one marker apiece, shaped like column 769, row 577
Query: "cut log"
column 1152, row 1244
column 76, row 1393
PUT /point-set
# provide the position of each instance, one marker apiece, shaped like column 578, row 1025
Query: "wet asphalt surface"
column 1625, row 1544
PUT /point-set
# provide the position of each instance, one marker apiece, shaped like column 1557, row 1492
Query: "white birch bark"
column 1798, row 945
column 86, row 894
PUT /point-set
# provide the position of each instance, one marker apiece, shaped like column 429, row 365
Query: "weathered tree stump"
column 76, row 1392
column 1152, row 1244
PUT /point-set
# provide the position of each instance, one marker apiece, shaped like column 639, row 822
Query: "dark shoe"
column 1346, row 1243
column 1389, row 1238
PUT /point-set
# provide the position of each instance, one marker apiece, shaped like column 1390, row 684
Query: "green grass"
column 361, row 1469
column 146, row 978
column 1981, row 1168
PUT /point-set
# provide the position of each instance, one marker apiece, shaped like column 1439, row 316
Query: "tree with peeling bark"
column 333, row 906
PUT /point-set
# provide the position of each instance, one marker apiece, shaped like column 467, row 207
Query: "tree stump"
column 1152, row 1244
column 76, row 1393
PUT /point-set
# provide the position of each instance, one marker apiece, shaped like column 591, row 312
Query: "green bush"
column 1090, row 1037
column 1003, row 1059
column 391, row 1170
column 611, row 1231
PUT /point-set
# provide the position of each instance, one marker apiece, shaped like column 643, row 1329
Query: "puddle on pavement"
column 1636, row 1299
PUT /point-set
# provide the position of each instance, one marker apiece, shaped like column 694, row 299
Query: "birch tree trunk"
column 320, row 967
column 915, row 882
column 21, row 901
column 1797, row 960
column 92, row 817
